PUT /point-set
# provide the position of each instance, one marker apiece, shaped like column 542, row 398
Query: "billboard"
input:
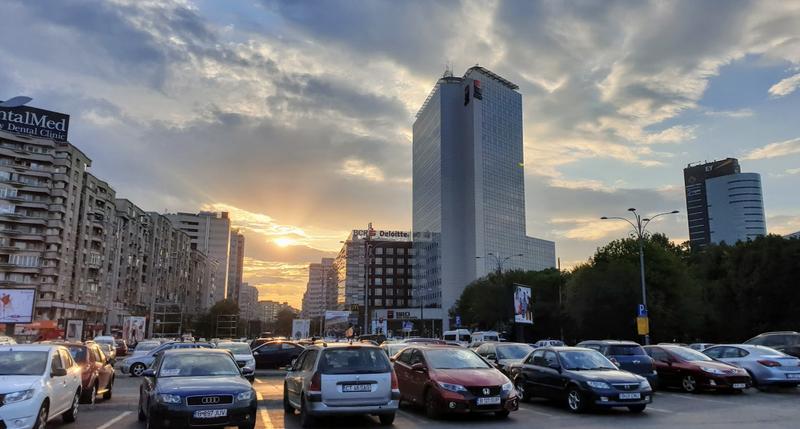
column 301, row 328
column 16, row 305
column 336, row 323
column 74, row 330
column 34, row 122
column 133, row 329
column 523, row 305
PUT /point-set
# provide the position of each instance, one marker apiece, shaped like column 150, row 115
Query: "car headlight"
column 507, row 387
column 245, row 396
column 452, row 387
column 598, row 384
column 712, row 370
column 166, row 398
column 22, row 395
column 645, row 385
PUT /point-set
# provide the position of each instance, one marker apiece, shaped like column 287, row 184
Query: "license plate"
column 356, row 388
column 210, row 414
column 793, row 376
column 630, row 396
column 739, row 385
column 494, row 400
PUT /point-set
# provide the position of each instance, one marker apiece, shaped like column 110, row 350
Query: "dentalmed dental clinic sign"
column 34, row 122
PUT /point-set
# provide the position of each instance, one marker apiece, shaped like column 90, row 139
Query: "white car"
column 38, row 383
column 241, row 353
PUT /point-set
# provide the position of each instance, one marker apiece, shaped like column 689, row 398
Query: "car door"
column 417, row 379
column 307, row 369
column 553, row 380
column 62, row 397
column 668, row 373
column 288, row 352
column 402, row 369
column 266, row 355
column 534, row 373
column 104, row 370
column 74, row 375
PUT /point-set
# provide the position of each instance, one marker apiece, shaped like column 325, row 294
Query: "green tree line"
column 720, row 294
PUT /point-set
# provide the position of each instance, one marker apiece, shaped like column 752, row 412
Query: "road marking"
column 263, row 412
column 698, row 398
column 258, row 380
column 659, row 410
column 537, row 412
column 115, row 419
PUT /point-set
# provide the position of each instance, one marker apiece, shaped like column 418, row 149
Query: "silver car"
column 341, row 379
column 766, row 366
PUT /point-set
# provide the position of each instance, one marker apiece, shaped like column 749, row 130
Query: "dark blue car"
column 197, row 388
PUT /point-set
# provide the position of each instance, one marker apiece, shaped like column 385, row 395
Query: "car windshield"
column 78, row 353
column 15, row 362
column 626, row 350
column 146, row 346
column 516, row 351
column 235, row 348
column 579, row 360
column 689, row 354
column 197, row 365
column 453, row 358
column 354, row 360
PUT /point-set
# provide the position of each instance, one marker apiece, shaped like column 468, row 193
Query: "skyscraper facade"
column 468, row 188
column 723, row 205
column 235, row 265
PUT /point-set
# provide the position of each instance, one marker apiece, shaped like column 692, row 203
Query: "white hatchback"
column 38, row 382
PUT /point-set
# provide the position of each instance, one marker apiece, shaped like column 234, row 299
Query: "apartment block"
column 235, row 265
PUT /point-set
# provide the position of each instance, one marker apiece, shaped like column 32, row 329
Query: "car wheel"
column 250, row 424
column 287, row 407
column 110, row 387
column 72, row 413
column 502, row 414
column 575, row 401
column 306, row 420
column 689, row 384
column 142, row 417
column 637, row 408
column 431, row 408
column 519, row 384
column 41, row 418
column 89, row 396
column 152, row 423
column 386, row 419
column 137, row 369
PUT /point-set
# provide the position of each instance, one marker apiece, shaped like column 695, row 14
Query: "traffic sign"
column 643, row 325
column 641, row 311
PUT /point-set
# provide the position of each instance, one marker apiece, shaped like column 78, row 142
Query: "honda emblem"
column 486, row 391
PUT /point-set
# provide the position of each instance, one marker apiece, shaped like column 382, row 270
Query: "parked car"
column 40, row 382
column 392, row 349
column 242, row 354
column 480, row 337
column 6, row 340
column 784, row 341
column 276, row 354
column 501, row 355
column 628, row 356
column 460, row 336
column 97, row 373
column 700, row 346
column 447, row 379
column 197, row 387
column 109, row 345
column 136, row 365
column 341, row 379
column 766, row 366
column 582, row 378
column 691, row 370
column 142, row 347
column 548, row 343
column 420, row 340
column 121, row 348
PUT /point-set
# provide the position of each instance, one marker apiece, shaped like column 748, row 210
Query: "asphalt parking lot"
column 751, row 409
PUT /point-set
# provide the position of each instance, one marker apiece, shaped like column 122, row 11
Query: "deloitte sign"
column 377, row 234
column 34, row 122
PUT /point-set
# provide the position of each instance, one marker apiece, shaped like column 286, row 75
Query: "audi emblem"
column 486, row 391
column 208, row 400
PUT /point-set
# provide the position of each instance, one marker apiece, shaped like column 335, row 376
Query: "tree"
column 207, row 323
column 283, row 322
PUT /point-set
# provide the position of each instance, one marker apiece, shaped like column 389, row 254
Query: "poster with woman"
column 523, row 306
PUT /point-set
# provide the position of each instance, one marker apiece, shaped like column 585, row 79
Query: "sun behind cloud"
column 285, row 241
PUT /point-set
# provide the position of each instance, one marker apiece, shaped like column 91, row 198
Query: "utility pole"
column 560, row 305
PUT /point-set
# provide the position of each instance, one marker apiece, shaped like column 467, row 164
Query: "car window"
column 100, row 354
column 513, row 351
column 688, row 354
column 590, row 346
column 550, row 359
column 286, row 346
column 66, row 359
column 449, row 337
column 715, row 352
column 658, row 354
column 416, row 357
column 270, row 347
column 625, row 350
column 56, row 362
column 405, row 356
column 79, row 353
column 198, row 364
column 354, row 360
column 310, row 360
column 732, row 353
column 298, row 363
column 454, row 358
column 15, row 362
column 584, row 360
column 537, row 358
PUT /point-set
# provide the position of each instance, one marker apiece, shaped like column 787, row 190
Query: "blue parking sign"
column 642, row 311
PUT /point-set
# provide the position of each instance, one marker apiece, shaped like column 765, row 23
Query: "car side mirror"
column 291, row 365
column 150, row 372
column 58, row 372
column 247, row 371
column 256, row 353
column 392, row 359
column 419, row 367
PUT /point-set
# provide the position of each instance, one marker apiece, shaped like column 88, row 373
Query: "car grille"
column 738, row 379
column 478, row 391
column 626, row 386
column 210, row 400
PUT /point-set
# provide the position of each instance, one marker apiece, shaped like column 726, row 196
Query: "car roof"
column 610, row 342
column 30, row 347
column 196, row 350
column 565, row 349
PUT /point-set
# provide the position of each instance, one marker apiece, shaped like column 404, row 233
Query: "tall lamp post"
column 639, row 225
column 500, row 261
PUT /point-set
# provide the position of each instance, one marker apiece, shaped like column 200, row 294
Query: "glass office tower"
column 468, row 187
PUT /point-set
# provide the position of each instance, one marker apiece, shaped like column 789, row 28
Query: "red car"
column 97, row 372
column 122, row 347
column 448, row 379
column 691, row 370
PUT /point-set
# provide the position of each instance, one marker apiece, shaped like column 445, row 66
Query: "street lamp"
column 639, row 228
column 420, row 295
column 500, row 261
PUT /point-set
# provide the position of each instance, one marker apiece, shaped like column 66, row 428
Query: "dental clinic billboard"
column 34, row 122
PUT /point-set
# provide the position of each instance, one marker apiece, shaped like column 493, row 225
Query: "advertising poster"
column 336, row 323
column 133, row 329
column 301, row 328
column 74, row 331
column 16, row 305
column 523, row 305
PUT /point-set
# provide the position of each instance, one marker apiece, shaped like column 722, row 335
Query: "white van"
column 484, row 336
column 460, row 336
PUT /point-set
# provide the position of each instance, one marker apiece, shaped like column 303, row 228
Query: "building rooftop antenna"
column 448, row 69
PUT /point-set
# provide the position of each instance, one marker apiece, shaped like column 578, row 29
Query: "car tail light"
column 316, row 383
column 769, row 363
column 395, row 384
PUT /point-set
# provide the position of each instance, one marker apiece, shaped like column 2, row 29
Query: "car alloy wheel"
column 519, row 384
column 72, row 414
column 431, row 409
column 137, row 370
column 689, row 384
column 575, row 401
column 41, row 418
column 287, row 406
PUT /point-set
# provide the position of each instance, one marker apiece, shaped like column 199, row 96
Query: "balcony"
column 59, row 192
column 49, row 271
column 58, row 208
column 34, row 204
column 52, row 254
column 55, row 223
column 14, row 268
column 60, row 177
column 52, row 239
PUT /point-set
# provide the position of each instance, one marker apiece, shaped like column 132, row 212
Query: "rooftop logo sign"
column 33, row 122
column 360, row 234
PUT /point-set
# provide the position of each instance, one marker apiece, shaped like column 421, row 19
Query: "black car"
column 197, row 388
column 783, row 341
column 501, row 355
column 581, row 377
column 276, row 354
column 627, row 355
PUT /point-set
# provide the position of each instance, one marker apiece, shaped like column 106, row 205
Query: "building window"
column 379, row 261
column 378, row 302
column 378, row 281
column 389, row 292
column 390, row 250
column 389, row 281
column 378, row 271
column 389, row 302
column 379, row 250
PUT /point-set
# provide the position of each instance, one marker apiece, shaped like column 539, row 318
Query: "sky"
column 295, row 117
